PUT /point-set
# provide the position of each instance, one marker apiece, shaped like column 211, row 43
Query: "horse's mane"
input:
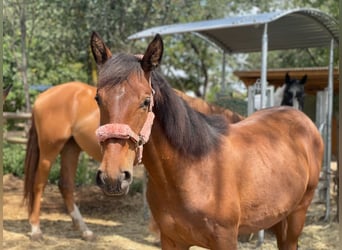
column 190, row 132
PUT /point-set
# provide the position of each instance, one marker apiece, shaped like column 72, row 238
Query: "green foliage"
column 13, row 159
column 85, row 172
column 57, row 40
column 136, row 186
column 237, row 104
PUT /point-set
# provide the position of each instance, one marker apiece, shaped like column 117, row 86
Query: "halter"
column 124, row 131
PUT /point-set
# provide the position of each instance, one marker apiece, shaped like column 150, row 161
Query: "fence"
column 19, row 135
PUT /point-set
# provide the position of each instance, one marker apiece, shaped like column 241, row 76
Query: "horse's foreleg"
column 69, row 161
column 224, row 238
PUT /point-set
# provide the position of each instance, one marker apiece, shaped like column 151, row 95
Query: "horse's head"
column 294, row 92
column 125, row 99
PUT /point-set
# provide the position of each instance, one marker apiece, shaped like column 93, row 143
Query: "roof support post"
column 328, row 130
column 223, row 84
column 264, row 67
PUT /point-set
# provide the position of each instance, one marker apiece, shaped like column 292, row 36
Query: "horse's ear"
column 100, row 51
column 303, row 80
column 287, row 78
column 153, row 55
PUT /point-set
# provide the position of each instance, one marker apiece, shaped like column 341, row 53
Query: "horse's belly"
column 263, row 215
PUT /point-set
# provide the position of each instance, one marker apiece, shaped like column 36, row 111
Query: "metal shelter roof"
column 291, row 29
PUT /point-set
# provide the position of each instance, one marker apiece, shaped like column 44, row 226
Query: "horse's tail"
column 31, row 165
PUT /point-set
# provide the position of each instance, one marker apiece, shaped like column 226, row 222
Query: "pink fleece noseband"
column 124, row 131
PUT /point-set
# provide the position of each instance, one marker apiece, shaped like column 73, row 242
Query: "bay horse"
column 64, row 120
column 209, row 180
column 291, row 93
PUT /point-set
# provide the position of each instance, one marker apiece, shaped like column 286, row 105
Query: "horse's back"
column 204, row 107
column 62, row 93
column 283, row 128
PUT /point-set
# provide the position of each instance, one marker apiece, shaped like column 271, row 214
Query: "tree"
column 19, row 9
column 55, row 40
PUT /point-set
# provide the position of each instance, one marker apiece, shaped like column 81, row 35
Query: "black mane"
column 190, row 132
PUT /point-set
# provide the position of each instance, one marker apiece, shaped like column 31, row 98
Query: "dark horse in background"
column 64, row 120
column 209, row 180
column 293, row 92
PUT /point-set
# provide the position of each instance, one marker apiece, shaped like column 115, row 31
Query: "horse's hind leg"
column 40, row 179
column 69, row 160
column 289, row 230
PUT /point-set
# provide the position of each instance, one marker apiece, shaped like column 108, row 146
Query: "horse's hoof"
column 88, row 236
column 36, row 236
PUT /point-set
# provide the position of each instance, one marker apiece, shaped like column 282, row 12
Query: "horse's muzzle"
column 114, row 187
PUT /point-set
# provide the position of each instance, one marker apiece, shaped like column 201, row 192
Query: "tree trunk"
column 24, row 61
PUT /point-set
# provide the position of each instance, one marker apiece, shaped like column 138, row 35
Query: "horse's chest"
column 183, row 221
column 183, row 226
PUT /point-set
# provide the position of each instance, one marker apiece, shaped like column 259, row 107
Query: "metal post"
column 264, row 67
column 223, row 85
column 329, row 120
column 263, row 79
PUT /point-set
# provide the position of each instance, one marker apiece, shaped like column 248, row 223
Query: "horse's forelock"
column 117, row 69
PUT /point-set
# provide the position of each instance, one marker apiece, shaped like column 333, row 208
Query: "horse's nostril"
column 99, row 178
column 126, row 176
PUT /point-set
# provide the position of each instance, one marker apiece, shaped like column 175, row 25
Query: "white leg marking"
column 35, row 229
column 78, row 220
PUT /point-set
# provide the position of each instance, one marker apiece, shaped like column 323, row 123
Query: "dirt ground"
column 119, row 224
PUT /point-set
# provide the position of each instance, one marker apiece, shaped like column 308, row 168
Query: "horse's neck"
column 278, row 95
column 162, row 160
column 158, row 153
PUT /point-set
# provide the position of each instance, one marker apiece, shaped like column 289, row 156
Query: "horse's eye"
column 97, row 99
column 146, row 103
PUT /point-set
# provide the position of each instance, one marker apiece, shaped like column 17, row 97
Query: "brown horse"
column 209, row 180
column 64, row 120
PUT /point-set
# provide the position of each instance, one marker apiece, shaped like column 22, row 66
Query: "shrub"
column 13, row 159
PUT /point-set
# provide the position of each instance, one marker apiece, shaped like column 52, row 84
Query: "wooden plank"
column 16, row 140
column 17, row 115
